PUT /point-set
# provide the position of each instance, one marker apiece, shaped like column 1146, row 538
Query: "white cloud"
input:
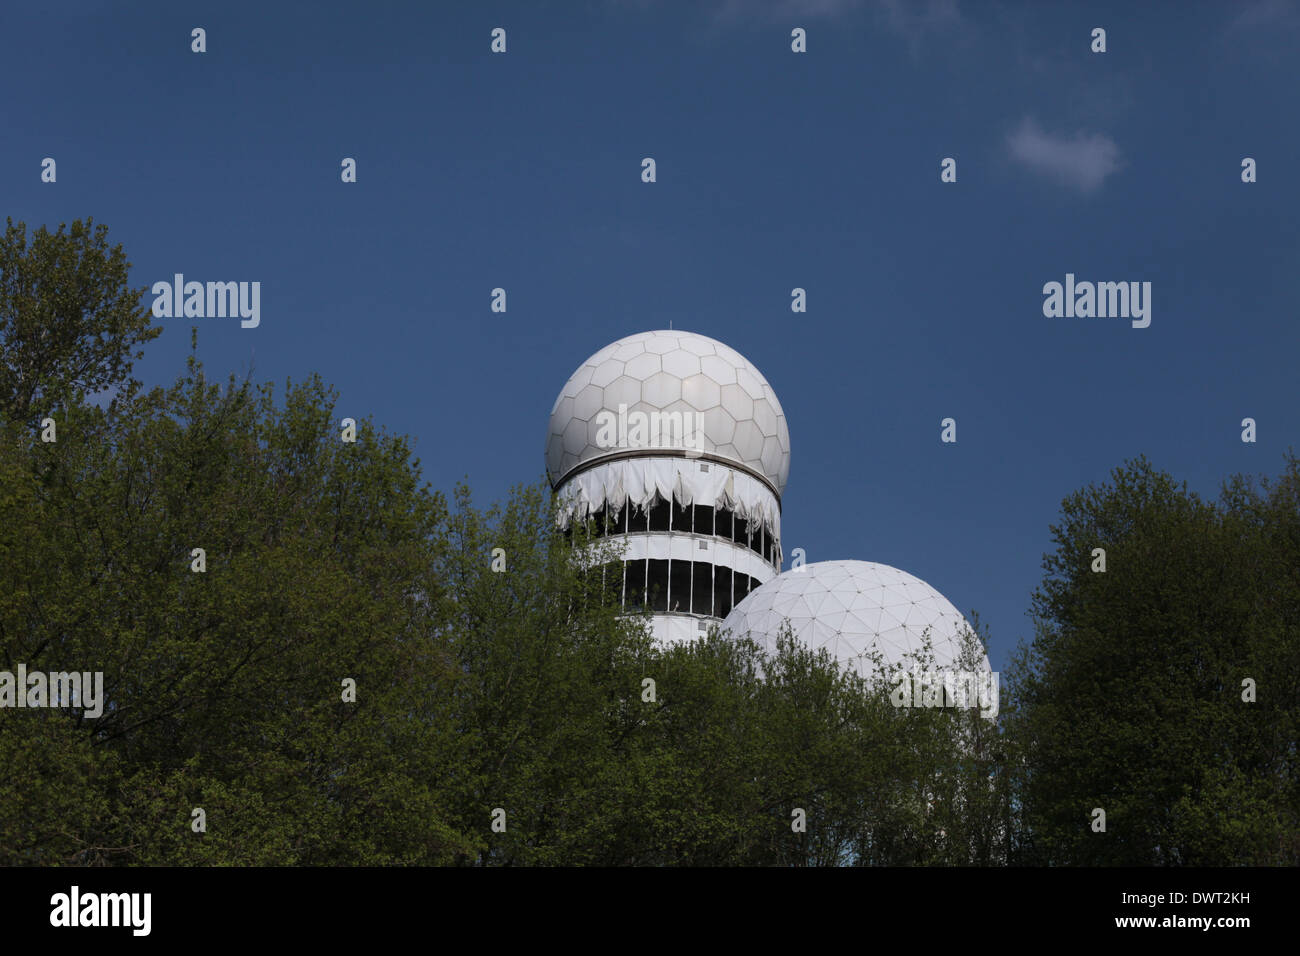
column 1082, row 161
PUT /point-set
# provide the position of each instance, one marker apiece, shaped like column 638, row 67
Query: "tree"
column 225, row 686
column 1130, row 697
column 69, row 321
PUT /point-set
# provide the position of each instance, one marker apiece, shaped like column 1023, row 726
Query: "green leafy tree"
column 69, row 321
column 224, row 688
column 1130, row 697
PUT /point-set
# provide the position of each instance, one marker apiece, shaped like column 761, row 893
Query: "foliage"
column 1130, row 698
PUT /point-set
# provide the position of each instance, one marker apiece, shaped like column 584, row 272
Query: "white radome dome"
column 849, row 607
column 672, row 371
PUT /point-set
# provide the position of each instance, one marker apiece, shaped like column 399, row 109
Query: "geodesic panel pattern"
column 850, row 607
column 729, row 400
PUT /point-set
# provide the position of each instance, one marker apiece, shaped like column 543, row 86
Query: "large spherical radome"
column 850, row 607
column 672, row 371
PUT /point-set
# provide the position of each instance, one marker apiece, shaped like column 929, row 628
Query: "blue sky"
column 775, row 170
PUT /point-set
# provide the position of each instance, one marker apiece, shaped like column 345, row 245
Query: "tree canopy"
column 1163, row 690
column 69, row 321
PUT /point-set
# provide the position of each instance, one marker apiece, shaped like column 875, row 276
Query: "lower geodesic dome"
column 852, row 608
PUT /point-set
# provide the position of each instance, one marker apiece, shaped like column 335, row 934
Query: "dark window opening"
column 702, row 595
column 742, row 531
column 637, row 520
column 681, row 518
column 657, row 585
column 680, row 586
column 659, row 514
column 634, row 592
column 704, row 519
column 722, row 592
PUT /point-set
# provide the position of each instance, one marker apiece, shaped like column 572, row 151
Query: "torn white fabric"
column 686, row 481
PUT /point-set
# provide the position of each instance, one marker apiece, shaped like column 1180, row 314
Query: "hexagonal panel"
column 772, row 456
column 718, row 369
column 579, row 380
column 629, row 350
column 734, row 358
column 622, row 391
column 681, row 363
column 697, row 345
column 606, row 372
column 561, row 413
column 642, row 366
column 702, row 392
column 575, row 437
column 554, row 454
column 765, row 419
column 589, row 401
column 751, row 383
column 748, row 441
column 738, row 403
column 661, row 389
column 719, row 426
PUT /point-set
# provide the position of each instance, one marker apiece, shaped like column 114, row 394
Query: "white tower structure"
column 676, row 443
